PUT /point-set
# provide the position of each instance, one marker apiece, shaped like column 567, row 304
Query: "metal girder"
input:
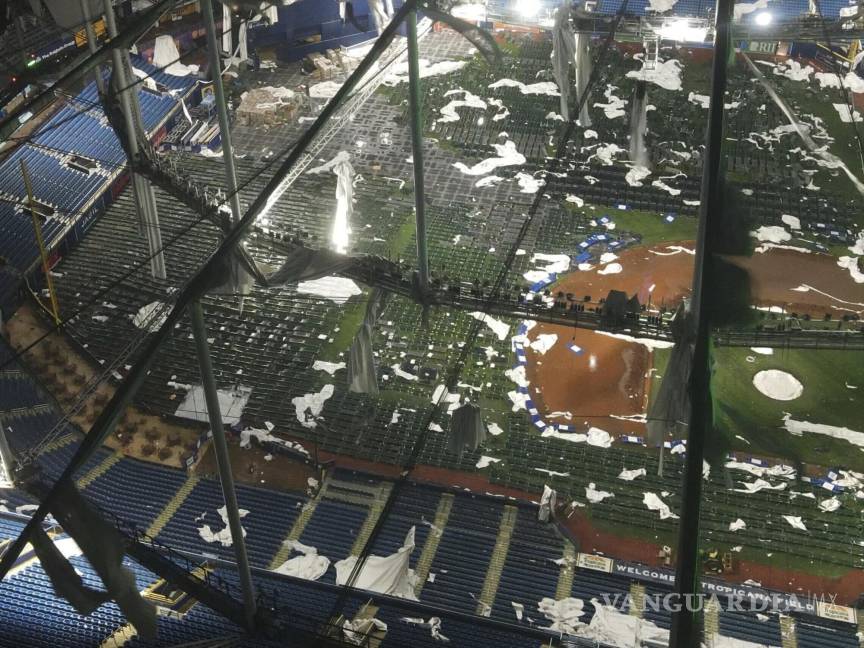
column 685, row 622
column 415, row 100
column 145, row 201
column 223, row 460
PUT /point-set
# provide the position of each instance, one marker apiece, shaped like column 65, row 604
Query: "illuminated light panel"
column 528, row 8
column 763, row 18
column 681, row 30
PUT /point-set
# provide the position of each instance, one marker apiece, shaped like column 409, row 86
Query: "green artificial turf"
column 658, row 536
column 741, row 411
column 349, row 323
column 659, row 361
column 696, row 77
column 651, row 226
column 402, row 237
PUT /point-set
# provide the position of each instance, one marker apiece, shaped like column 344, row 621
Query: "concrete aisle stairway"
column 788, row 634
column 98, row 470
column 565, row 578
column 375, row 506
column 120, row 636
column 60, row 442
column 427, row 556
column 637, row 600
column 353, row 492
column 296, row 531
column 496, row 564
column 172, row 506
column 372, row 496
column 712, row 621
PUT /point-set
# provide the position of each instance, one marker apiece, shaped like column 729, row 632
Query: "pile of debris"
column 267, row 106
column 329, row 64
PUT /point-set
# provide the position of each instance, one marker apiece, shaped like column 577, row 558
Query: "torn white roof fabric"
column 223, row 537
column 795, row 521
column 434, row 625
column 594, row 496
column 389, row 575
column 630, row 475
column 563, row 613
column 654, row 503
column 609, row 626
column 758, row 485
column 308, row 565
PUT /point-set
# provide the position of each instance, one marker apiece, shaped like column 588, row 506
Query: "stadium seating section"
column 277, row 339
column 72, row 159
column 455, row 568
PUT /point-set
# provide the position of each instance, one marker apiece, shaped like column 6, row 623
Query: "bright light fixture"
column 682, row 31
column 763, row 18
column 528, row 8
column 470, row 12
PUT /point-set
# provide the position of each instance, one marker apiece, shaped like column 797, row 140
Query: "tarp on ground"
column 563, row 613
column 166, row 57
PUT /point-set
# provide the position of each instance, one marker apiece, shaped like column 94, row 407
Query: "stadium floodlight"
column 763, row 18
column 472, row 11
column 528, row 8
column 682, row 30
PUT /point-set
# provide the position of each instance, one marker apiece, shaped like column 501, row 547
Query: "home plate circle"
column 778, row 385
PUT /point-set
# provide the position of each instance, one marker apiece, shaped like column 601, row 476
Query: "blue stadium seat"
column 271, row 515
column 80, row 128
column 160, row 484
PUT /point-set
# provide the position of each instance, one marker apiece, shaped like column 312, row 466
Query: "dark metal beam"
column 91, row 45
column 145, row 200
column 685, row 626
column 415, row 99
column 223, row 459
column 222, row 112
